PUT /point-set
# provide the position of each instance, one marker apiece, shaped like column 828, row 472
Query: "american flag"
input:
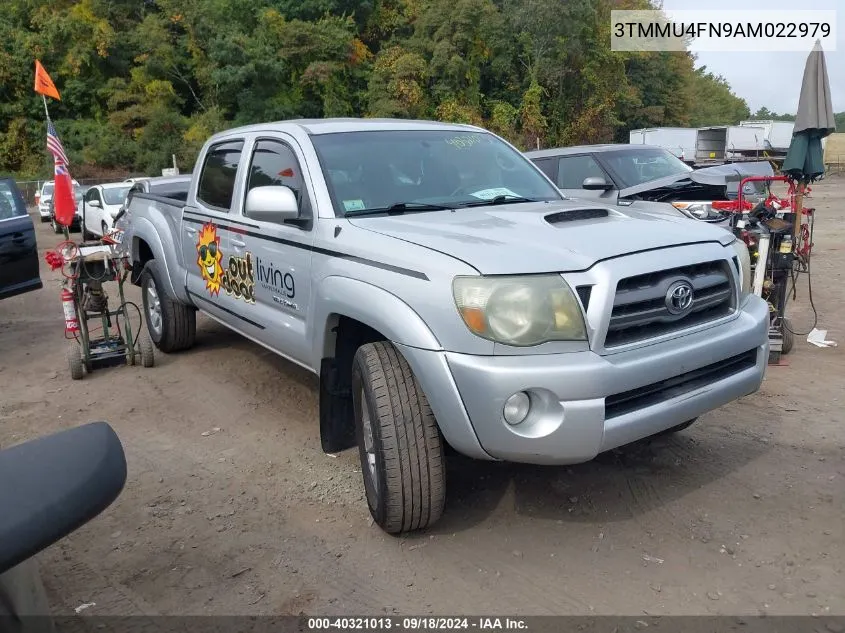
column 54, row 145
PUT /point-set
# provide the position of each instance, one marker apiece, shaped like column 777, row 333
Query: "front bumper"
column 44, row 212
column 584, row 403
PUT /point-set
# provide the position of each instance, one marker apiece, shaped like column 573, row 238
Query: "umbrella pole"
column 798, row 209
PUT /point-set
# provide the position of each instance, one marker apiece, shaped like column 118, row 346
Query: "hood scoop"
column 576, row 214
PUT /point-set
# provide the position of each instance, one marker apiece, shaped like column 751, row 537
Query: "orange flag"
column 43, row 84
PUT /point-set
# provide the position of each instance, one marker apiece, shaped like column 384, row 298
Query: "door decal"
column 239, row 278
column 209, row 257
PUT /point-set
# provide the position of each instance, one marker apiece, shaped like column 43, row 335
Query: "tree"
column 714, row 103
column 765, row 114
column 144, row 80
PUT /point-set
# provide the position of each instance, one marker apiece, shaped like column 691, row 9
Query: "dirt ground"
column 740, row 514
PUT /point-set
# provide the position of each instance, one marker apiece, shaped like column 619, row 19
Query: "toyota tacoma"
column 446, row 293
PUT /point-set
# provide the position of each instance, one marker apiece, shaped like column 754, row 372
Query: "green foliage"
column 713, row 103
column 764, row 114
column 143, row 81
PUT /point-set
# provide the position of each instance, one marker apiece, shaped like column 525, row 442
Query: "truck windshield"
column 635, row 166
column 375, row 170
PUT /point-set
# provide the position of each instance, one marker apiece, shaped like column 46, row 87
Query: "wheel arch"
column 350, row 313
column 147, row 244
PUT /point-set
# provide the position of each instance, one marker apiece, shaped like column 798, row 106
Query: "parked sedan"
column 18, row 250
column 76, row 224
column 102, row 204
column 646, row 178
column 45, row 197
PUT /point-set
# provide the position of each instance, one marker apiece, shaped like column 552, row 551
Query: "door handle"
column 190, row 231
column 238, row 243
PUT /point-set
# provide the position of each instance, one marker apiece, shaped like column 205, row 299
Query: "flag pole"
column 65, row 229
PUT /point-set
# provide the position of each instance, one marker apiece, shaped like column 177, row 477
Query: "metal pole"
column 798, row 210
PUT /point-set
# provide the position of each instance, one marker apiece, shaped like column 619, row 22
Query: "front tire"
column 788, row 336
column 74, row 361
column 172, row 325
column 146, row 350
column 400, row 446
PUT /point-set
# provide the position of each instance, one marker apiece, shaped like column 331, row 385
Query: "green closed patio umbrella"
column 814, row 120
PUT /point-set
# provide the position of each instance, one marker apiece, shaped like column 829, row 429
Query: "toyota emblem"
column 679, row 297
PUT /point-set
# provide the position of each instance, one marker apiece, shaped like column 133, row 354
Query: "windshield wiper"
column 400, row 208
column 497, row 200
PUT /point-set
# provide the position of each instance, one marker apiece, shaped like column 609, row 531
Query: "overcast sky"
column 772, row 80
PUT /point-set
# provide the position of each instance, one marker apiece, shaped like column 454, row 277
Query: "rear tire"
column 74, row 361
column 172, row 325
column 399, row 444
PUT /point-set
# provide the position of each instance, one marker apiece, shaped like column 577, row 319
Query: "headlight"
column 744, row 258
column 520, row 311
column 699, row 211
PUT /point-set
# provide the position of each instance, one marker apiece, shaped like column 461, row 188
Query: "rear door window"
column 11, row 204
column 217, row 178
column 548, row 166
column 572, row 170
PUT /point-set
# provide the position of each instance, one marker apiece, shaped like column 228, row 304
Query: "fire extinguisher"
column 71, row 320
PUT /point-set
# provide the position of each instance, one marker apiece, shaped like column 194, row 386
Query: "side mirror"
column 93, row 203
column 594, row 183
column 271, row 204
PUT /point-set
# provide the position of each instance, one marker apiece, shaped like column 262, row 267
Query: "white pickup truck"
column 445, row 292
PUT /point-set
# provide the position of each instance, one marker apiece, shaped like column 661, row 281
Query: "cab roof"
column 586, row 149
column 332, row 126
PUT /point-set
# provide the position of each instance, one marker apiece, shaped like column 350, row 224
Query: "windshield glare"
column 116, row 195
column 637, row 166
column 47, row 191
column 374, row 170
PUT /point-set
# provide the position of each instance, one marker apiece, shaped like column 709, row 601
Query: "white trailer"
column 778, row 133
column 744, row 140
column 725, row 143
column 678, row 140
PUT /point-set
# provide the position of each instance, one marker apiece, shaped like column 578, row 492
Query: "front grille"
column 640, row 311
column 655, row 393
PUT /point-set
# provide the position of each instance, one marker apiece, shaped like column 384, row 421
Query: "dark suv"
column 18, row 250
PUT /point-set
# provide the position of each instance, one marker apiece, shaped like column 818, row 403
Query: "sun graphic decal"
column 209, row 258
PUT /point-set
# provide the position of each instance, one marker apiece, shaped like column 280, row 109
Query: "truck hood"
column 540, row 237
column 720, row 175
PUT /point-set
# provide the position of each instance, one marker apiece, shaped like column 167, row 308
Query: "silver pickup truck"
column 447, row 294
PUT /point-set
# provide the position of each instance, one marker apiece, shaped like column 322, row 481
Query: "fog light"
column 516, row 408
